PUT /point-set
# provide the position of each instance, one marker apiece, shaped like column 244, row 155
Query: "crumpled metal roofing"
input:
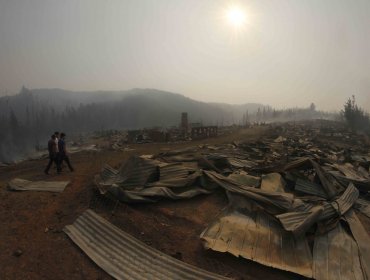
column 362, row 185
column 273, row 182
column 241, row 231
column 336, row 256
column 125, row 257
column 305, row 186
column 267, row 212
column 361, row 237
column 174, row 170
column 363, row 206
column 138, row 171
column 278, row 200
column 48, row 186
column 146, row 180
column 299, row 221
column 258, row 237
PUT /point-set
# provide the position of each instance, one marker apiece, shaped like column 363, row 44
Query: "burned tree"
column 355, row 116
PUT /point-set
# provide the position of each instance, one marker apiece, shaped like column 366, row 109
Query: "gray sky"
column 289, row 53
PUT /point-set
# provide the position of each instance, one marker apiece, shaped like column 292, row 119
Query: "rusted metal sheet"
column 174, row 170
column 363, row 206
column 258, row 237
column 277, row 200
column 336, row 256
column 245, row 179
column 350, row 173
column 346, row 200
column 138, row 171
column 331, row 186
column 273, row 182
column 47, row 186
column 286, row 166
column 240, row 163
column 123, row 256
column 362, row 185
column 145, row 180
column 362, row 239
column 299, row 221
column 308, row 187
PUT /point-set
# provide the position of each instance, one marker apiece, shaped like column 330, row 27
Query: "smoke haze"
column 289, row 54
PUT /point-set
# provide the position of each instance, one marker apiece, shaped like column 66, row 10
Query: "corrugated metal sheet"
column 363, row 206
column 174, row 170
column 181, row 151
column 108, row 176
column 240, row 163
column 153, row 194
column 48, row 186
column 279, row 201
column 336, row 256
column 245, row 179
column 109, row 171
column 281, row 167
column 331, row 186
column 260, row 238
column 308, row 187
column 299, row 220
column 348, row 170
column 346, row 200
column 363, row 185
column 123, row 256
column 145, row 180
column 362, row 239
column 138, row 171
column 329, row 183
column 273, row 182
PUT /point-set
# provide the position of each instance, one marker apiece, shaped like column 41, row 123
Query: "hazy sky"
column 290, row 52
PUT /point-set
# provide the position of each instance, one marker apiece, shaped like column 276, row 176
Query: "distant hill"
column 134, row 108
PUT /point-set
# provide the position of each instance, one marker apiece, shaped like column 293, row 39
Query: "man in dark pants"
column 53, row 154
column 63, row 154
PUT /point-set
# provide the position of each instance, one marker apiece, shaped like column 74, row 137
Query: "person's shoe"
column 47, row 173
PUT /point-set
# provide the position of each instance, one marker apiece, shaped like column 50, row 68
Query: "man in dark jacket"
column 53, row 154
column 63, row 154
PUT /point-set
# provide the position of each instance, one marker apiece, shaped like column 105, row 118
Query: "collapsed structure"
column 292, row 198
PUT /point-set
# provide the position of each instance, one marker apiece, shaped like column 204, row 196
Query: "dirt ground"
column 32, row 222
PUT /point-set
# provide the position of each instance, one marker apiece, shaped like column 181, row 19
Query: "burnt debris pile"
column 294, row 196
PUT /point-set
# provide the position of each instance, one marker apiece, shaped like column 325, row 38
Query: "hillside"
column 142, row 107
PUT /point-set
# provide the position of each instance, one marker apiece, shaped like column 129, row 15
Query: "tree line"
column 26, row 125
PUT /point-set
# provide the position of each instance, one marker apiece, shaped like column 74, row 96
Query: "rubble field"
column 278, row 201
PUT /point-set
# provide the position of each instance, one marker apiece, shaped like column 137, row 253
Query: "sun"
column 236, row 17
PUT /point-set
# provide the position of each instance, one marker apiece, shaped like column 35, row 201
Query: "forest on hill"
column 28, row 118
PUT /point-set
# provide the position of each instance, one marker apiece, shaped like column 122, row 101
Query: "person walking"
column 56, row 133
column 53, row 155
column 63, row 153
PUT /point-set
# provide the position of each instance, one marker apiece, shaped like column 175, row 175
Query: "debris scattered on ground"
column 291, row 196
column 2, row 164
column 48, row 186
column 18, row 253
column 77, row 149
column 146, row 180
